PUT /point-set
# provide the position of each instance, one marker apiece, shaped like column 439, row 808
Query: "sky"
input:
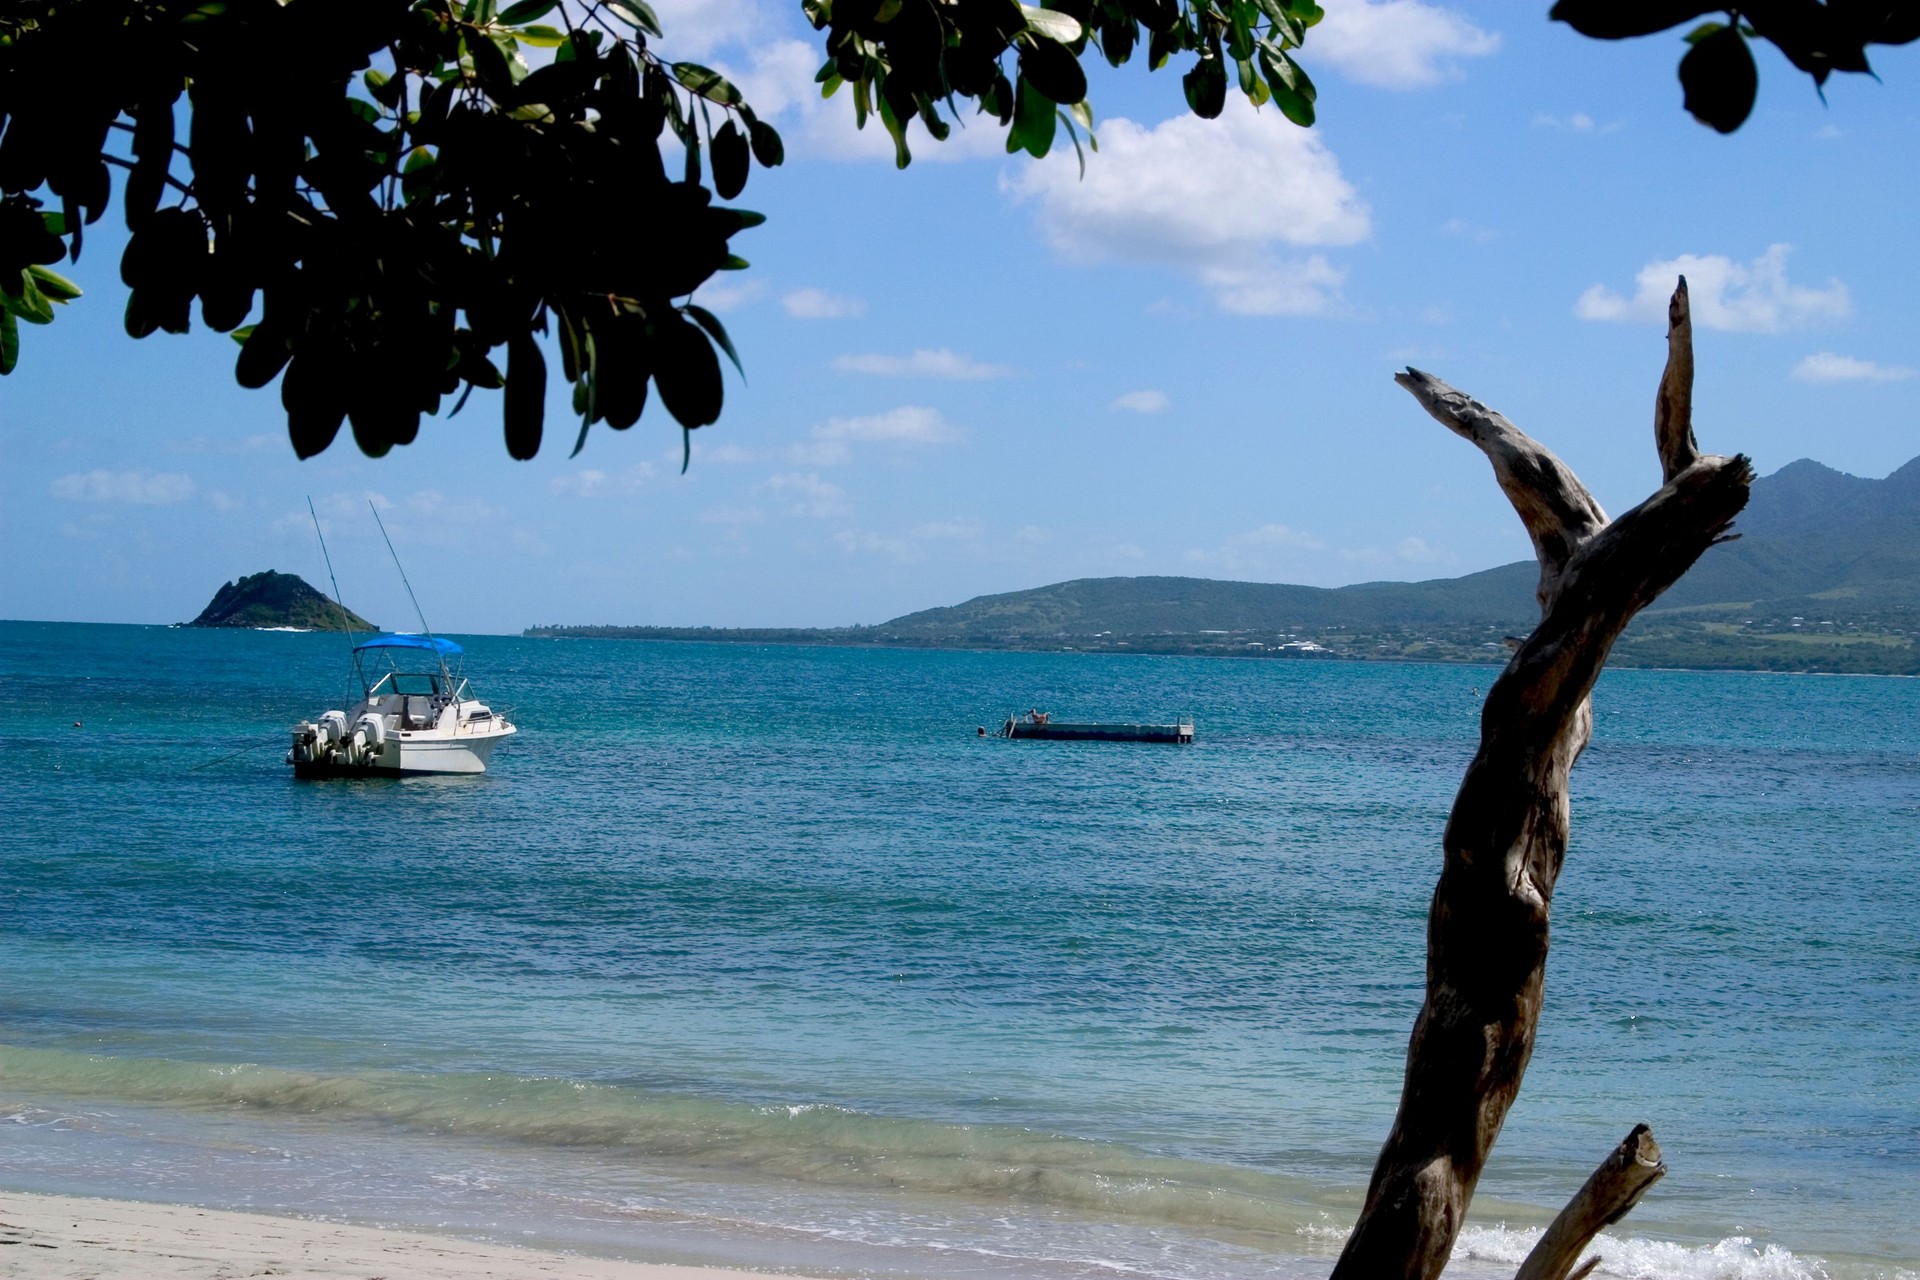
column 988, row 373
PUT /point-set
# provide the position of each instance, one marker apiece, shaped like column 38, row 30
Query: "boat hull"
column 1057, row 731
column 410, row 757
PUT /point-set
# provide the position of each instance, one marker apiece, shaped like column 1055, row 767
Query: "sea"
column 763, row 956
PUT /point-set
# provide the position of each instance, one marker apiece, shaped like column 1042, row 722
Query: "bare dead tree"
column 1487, row 932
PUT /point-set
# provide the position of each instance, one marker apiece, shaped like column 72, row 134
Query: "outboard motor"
column 333, row 728
column 306, row 735
column 369, row 735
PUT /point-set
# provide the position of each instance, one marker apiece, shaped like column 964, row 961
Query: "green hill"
column 272, row 599
column 1824, row 576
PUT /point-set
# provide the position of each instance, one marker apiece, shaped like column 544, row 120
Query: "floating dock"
column 1064, row 731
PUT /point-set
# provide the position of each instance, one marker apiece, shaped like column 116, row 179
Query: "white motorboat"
column 410, row 721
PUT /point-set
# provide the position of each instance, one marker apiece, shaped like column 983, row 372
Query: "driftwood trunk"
column 1507, row 835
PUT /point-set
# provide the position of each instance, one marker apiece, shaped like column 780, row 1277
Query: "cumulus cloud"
column 1397, row 44
column 818, row 304
column 1142, row 402
column 1209, row 197
column 1751, row 297
column 922, row 364
column 130, row 488
column 806, row 495
column 728, row 295
column 695, row 28
column 592, row 483
column 909, row 424
column 1826, row 366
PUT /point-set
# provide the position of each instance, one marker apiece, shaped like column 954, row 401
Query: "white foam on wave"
column 1734, row 1258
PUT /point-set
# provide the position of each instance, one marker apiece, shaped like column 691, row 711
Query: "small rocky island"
column 272, row 599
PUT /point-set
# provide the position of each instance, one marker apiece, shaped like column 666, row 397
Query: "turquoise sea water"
column 761, row 956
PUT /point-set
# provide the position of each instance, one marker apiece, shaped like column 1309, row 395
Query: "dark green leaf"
column 1050, row 67
column 710, row 85
column 635, row 13
column 687, row 373
column 1614, row 20
column 515, row 15
column 1206, row 86
column 9, row 342
column 1053, row 24
column 263, row 355
column 54, row 286
column 718, row 332
column 526, row 397
column 729, row 161
column 1720, row 80
column 1033, row 122
column 767, row 147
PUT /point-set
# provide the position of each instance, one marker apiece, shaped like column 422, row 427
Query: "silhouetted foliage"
column 1718, row 74
column 375, row 195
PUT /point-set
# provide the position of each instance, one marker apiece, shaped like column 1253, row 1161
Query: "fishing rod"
column 346, row 626
column 418, row 612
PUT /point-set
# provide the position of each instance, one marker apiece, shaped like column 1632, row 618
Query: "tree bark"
column 1487, row 931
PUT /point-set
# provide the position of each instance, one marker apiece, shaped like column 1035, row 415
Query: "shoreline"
column 57, row 1237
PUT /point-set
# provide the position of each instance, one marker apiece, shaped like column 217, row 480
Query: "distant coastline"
column 1658, row 646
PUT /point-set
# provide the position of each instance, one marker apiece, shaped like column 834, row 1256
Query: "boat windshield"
column 407, row 664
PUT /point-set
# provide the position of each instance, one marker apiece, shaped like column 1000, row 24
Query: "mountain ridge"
column 1825, row 575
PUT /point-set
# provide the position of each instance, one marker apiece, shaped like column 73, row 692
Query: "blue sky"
column 986, row 373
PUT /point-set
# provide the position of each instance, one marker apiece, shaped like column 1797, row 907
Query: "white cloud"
column 922, row 364
column 1142, row 402
column 1754, row 297
column 807, row 495
column 728, row 295
column 1209, row 197
column 590, row 483
column 1396, row 44
column 695, row 28
column 818, row 304
column 909, row 424
column 1303, row 288
column 1826, row 366
column 132, row 488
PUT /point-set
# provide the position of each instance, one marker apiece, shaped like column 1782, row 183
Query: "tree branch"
column 1555, row 507
column 1613, row 1189
column 1673, row 407
column 1506, row 837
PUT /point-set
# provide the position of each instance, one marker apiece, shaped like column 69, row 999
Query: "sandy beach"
column 70, row 1238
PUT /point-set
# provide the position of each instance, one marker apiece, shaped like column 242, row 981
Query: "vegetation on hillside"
column 272, row 599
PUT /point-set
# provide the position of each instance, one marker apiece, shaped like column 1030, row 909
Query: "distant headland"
column 272, row 599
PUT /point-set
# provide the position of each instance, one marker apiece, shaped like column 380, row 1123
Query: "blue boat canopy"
column 435, row 644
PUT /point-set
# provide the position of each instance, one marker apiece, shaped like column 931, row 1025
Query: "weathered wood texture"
column 1615, row 1187
column 1487, row 931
